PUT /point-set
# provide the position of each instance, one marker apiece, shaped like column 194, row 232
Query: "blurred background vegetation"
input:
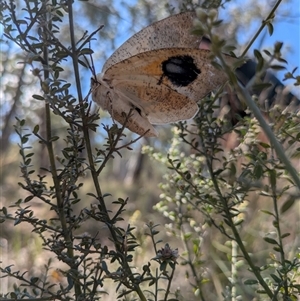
column 142, row 176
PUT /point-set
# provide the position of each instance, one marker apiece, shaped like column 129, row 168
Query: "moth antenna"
column 92, row 65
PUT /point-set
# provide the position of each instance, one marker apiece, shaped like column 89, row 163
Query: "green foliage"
column 206, row 193
column 208, row 189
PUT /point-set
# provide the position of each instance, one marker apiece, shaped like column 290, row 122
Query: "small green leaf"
column 70, row 281
column 277, row 249
column 163, row 266
column 187, row 235
column 240, row 221
column 272, row 174
column 54, row 138
column 86, row 51
column 270, row 240
column 104, row 267
column 38, row 97
column 250, row 282
column 268, row 53
column 285, row 235
column 277, row 67
column 281, row 60
column 258, row 171
column 4, row 210
column 267, row 212
column 13, row 296
column 22, row 22
column 276, row 278
column 34, row 280
column 217, row 23
column 264, row 145
column 277, row 47
column 29, row 198
column 270, row 28
column 287, row 205
column 17, row 221
column 288, row 75
column 82, row 63
column 257, row 54
column 261, row 86
column 217, row 66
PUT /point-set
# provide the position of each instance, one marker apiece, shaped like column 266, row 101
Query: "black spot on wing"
column 180, row 70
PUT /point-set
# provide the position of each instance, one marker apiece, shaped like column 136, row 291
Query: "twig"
column 264, row 22
column 88, row 39
column 89, row 149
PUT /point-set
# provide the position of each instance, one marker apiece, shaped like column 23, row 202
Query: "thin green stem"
column 277, row 223
column 49, row 145
column 262, row 26
column 278, row 228
column 156, row 285
column 234, row 230
column 169, row 284
column 190, row 261
column 113, row 146
column 247, row 257
column 90, row 151
column 234, row 254
column 23, row 35
column 82, row 109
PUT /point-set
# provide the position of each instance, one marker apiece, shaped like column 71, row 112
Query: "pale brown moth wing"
column 174, row 31
column 157, row 103
column 159, row 86
column 186, row 71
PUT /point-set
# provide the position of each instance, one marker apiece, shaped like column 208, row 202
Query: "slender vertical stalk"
column 90, row 151
column 156, row 285
column 278, row 228
column 262, row 26
column 234, row 254
column 60, row 206
column 169, row 283
column 233, row 227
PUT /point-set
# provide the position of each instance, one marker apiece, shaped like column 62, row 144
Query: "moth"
column 158, row 75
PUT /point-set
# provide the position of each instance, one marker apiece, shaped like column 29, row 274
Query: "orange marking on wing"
column 154, row 68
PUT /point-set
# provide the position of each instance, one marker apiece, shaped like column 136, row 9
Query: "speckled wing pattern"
column 159, row 74
column 171, row 32
column 140, row 66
